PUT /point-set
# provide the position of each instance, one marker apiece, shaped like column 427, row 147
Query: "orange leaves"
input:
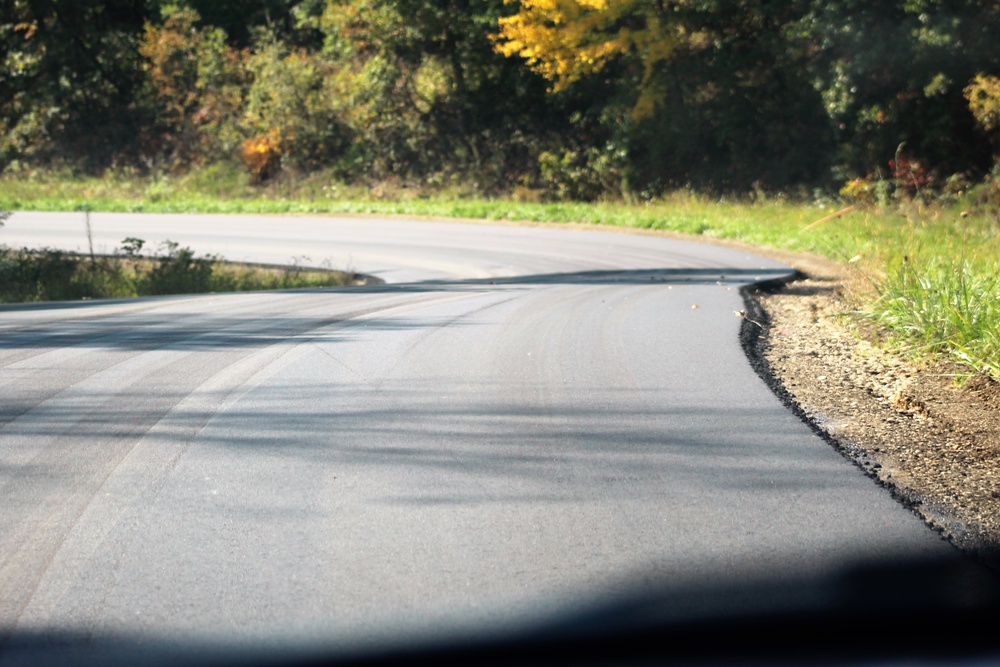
column 28, row 29
column 261, row 155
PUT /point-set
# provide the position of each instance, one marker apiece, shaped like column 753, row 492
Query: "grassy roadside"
column 930, row 274
column 28, row 275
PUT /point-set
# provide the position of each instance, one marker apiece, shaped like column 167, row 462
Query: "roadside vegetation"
column 28, row 275
column 741, row 119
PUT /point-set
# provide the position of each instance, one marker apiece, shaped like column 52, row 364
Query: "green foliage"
column 239, row 19
column 942, row 307
column 45, row 275
column 293, row 97
column 425, row 95
column 221, row 180
column 736, row 111
column 724, row 96
column 388, row 82
column 69, row 78
column 197, row 84
column 750, row 94
column 53, row 275
column 587, row 174
column 178, row 271
column 892, row 74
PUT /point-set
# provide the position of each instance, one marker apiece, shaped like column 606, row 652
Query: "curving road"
column 520, row 422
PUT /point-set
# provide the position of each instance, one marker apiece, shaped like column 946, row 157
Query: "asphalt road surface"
column 522, row 422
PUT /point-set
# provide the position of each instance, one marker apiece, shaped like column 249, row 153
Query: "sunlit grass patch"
column 942, row 307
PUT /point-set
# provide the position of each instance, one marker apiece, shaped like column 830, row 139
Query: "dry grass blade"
column 819, row 222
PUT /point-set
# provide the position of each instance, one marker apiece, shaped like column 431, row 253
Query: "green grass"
column 932, row 271
column 52, row 275
column 942, row 307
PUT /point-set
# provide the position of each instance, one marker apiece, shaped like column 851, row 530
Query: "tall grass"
column 942, row 307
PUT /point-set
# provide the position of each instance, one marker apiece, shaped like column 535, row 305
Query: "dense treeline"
column 568, row 98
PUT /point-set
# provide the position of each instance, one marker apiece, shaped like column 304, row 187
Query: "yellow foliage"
column 566, row 40
column 860, row 190
column 983, row 94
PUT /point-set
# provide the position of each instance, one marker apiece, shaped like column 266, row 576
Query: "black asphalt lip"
column 754, row 336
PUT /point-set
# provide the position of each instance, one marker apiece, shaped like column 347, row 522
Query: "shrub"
column 292, row 111
column 178, row 271
column 860, row 190
column 199, row 84
column 261, row 155
column 983, row 95
column 43, row 275
column 585, row 174
column 47, row 275
column 912, row 178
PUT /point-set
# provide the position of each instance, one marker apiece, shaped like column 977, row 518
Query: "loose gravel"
column 931, row 439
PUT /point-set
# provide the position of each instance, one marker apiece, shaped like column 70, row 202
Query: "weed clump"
column 942, row 307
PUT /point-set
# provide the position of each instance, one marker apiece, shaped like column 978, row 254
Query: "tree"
column 566, row 40
column 983, row 94
column 426, row 94
column 198, row 84
column 293, row 114
column 715, row 94
column 69, row 76
column 726, row 93
column 240, row 19
column 892, row 76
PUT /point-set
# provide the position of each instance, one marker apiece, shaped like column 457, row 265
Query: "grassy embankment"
column 933, row 272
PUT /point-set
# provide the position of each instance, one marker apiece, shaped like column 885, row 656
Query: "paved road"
column 521, row 421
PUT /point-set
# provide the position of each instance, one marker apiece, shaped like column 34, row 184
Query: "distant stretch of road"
column 520, row 422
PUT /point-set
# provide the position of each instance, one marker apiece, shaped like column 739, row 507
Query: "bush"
column 912, row 178
column 49, row 275
column 198, row 84
column 261, row 155
column 586, row 174
column 178, row 271
column 37, row 276
column 292, row 111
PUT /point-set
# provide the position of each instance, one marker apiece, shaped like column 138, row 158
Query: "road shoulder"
column 933, row 444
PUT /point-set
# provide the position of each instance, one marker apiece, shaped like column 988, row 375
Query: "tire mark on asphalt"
column 46, row 497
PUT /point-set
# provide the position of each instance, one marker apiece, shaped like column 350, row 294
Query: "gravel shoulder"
column 933, row 444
